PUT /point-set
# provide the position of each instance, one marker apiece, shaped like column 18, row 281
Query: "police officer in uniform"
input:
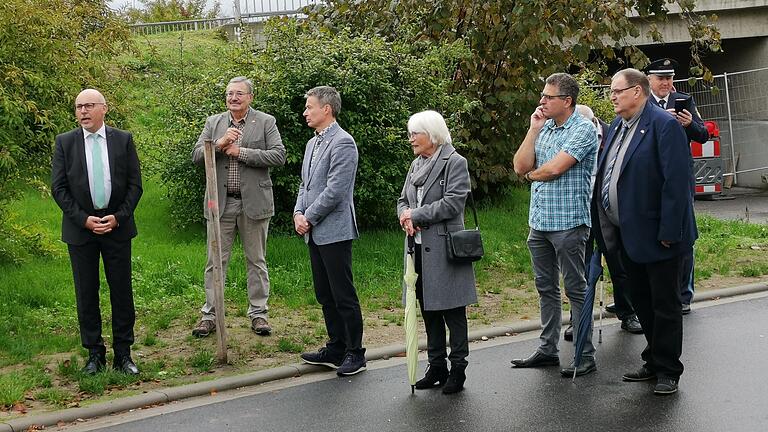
column 661, row 73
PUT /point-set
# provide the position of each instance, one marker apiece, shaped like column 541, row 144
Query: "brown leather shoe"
column 260, row 326
column 204, row 328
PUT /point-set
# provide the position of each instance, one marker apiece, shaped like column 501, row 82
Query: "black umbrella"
column 593, row 274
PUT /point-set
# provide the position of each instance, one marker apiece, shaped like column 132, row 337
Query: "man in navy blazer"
column 325, row 216
column 96, row 181
column 642, row 203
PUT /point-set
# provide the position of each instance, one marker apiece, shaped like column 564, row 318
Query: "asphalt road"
column 737, row 204
column 724, row 388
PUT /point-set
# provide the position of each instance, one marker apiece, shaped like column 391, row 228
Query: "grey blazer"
column 325, row 192
column 446, row 284
column 263, row 148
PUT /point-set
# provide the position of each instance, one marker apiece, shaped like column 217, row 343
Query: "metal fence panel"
column 740, row 108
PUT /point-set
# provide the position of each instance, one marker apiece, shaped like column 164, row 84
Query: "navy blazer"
column 653, row 189
column 70, row 188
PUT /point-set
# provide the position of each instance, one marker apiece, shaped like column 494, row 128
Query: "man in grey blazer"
column 247, row 145
column 325, row 215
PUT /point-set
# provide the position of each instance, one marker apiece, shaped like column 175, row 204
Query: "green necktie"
column 99, row 197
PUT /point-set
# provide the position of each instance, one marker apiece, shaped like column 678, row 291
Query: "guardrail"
column 207, row 24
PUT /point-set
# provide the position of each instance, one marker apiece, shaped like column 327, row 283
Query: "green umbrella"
column 411, row 336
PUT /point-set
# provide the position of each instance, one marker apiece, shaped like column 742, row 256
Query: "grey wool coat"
column 446, row 284
column 326, row 191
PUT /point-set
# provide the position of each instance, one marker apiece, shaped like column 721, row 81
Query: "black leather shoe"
column 96, row 362
column 642, row 374
column 126, row 365
column 686, row 309
column 455, row 382
column 587, row 366
column 611, row 308
column 435, row 377
column 536, row 359
column 665, row 386
column 632, row 325
column 568, row 334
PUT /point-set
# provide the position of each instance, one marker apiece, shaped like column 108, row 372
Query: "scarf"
column 423, row 167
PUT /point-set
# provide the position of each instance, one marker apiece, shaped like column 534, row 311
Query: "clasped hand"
column 227, row 144
column 99, row 225
column 407, row 223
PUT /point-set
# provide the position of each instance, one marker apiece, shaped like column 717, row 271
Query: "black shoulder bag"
column 465, row 245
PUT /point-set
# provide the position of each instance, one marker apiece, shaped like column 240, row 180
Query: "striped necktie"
column 663, row 103
column 609, row 169
column 97, row 164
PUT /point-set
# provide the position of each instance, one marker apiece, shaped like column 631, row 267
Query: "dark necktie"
column 663, row 104
column 609, row 169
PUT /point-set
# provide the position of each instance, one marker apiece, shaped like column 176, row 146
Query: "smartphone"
column 683, row 104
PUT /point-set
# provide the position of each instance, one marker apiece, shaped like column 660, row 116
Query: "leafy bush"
column 381, row 85
column 50, row 51
column 514, row 45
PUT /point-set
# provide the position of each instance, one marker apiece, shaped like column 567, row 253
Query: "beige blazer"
column 263, row 148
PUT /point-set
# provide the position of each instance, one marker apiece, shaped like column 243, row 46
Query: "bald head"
column 90, row 109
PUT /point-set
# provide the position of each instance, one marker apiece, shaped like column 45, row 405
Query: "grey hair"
column 634, row 77
column 566, row 85
column 242, row 79
column 431, row 123
column 326, row 95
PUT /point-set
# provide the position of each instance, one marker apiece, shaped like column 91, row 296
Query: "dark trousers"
column 619, row 280
column 117, row 268
column 655, row 291
column 334, row 290
column 435, row 322
column 686, row 282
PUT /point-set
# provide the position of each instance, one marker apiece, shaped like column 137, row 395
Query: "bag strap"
column 470, row 197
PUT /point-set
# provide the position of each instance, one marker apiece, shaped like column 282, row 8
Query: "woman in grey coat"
column 431, row 203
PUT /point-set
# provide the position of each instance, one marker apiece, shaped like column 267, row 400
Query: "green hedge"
column 381, row 85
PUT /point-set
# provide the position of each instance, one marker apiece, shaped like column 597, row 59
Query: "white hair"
column 585, row 111
column 432, row 124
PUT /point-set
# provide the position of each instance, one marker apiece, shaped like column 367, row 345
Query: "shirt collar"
column 658, row 98
column 568, row 123
column 242, row 121
column 631, row 122
column 324, row 132
column 102, row 132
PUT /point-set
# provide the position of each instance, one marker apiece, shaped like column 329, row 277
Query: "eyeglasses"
column 550, row 97
column 413, row 134
column 239, row 94
column 616, row 92
column 88, row 106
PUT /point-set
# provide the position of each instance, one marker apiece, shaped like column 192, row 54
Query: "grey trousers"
column 253, row 235
column 554, row 253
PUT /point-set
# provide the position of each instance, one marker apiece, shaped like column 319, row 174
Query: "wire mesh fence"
column 738, row 102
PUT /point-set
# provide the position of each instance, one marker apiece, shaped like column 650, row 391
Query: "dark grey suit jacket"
column 70, row 188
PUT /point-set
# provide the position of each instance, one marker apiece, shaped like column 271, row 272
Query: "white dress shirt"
column 101, row 139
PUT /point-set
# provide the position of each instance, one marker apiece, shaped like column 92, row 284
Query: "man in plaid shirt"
column 558, row 157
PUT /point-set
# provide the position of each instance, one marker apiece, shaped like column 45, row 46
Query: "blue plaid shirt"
column 563, row 203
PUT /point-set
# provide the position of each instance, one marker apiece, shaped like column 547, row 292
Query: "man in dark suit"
column 96, row 180
column 643, row 206
column 325, row 215
column 661, row 73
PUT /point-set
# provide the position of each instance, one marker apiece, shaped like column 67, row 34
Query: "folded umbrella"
column 594, row 273
column 411, row 335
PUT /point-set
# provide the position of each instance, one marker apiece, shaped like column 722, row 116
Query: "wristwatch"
column 527, row 176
